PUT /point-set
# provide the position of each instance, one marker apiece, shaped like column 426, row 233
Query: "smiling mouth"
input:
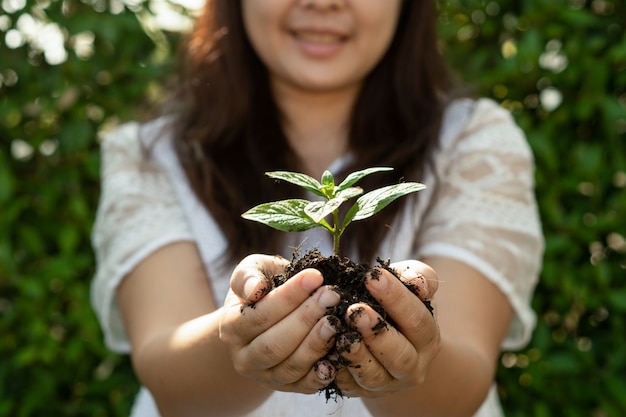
column 317, row 37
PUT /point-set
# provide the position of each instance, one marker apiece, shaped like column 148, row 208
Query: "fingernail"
column 328, row 299
column 354, row 347
column 325, row 370
column 327, row 331
column 349, row 342
column 378, row 280
column 409, row 273
column 252, row 288
column 364, row 320
column 359, row 316
column 311, row 280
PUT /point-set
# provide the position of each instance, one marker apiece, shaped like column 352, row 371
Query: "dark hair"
column 228, row 131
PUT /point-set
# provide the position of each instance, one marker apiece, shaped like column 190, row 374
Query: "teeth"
column 319, row 37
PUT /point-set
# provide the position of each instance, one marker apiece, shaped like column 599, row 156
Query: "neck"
column 316, row 124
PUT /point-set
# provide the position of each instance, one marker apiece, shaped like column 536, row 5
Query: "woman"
column 308, row 86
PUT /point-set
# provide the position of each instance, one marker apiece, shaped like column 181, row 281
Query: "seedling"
column 347, row 277
column 298, row 215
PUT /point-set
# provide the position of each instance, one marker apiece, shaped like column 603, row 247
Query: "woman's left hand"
column 386, row 359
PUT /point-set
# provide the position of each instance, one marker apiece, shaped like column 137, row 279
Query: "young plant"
column 297, row 215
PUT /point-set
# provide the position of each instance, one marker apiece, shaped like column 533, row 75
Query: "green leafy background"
column 70, row 69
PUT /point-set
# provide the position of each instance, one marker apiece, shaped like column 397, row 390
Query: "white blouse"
column 479, row 208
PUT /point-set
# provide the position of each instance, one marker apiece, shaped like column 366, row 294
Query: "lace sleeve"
column 138, row 212
column 484, row 211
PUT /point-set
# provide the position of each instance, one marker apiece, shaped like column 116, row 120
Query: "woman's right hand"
column 278, row 337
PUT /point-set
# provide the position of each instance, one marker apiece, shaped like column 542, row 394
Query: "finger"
column 411, row 316
column 239, row 326
column 280, row 340
column 251, row 278
column 385, row 357
column 417, row 276
column 348, row 387
column 307, row 355
column 319, row 376
column 365, row 368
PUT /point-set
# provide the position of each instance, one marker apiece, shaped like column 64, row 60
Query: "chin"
column 325, row 85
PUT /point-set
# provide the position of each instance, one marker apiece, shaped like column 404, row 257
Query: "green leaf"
column 301, row 180
column 328, row 185
column 349, row 193
column 317, row 210
column 376, row 200
column 284, row 215
column 354, row 177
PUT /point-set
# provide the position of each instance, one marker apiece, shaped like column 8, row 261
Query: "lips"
column 319, row 37
column 319, row 43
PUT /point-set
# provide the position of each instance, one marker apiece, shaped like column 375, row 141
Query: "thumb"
column 252, row 277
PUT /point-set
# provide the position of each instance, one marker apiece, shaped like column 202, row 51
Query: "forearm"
column 188, row 371
column 457, row 383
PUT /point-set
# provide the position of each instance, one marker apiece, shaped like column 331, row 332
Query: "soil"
column 348, row 278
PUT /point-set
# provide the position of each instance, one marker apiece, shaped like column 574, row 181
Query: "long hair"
column 229, row 132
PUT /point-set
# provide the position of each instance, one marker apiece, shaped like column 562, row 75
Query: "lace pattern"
column 484, row 212
column 138, row 212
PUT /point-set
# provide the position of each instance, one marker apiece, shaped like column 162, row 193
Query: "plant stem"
column 336, row 232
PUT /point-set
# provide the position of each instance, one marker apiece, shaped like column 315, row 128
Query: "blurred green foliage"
column 560, row 67
column 69, row 69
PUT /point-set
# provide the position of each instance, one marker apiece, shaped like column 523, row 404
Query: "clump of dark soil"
column 348, row 278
